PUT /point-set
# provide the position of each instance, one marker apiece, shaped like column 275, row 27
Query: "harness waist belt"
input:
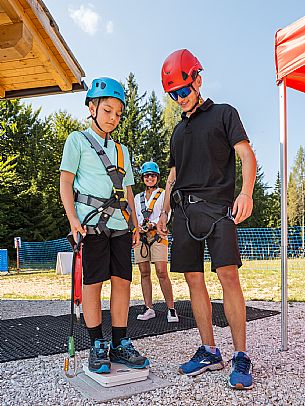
column 97, row 202
column 92, row 230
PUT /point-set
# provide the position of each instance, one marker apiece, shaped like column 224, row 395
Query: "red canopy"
column 290, row 55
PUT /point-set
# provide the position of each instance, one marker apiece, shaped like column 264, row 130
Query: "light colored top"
column 90, row 174
column 155, row 215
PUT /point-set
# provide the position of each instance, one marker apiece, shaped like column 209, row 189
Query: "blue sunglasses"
column 183, row 92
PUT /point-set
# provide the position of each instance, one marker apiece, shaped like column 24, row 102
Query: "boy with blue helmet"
column 96, row 174
column 153, row 248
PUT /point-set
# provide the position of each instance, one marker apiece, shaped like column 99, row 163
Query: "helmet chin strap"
column 98, row 126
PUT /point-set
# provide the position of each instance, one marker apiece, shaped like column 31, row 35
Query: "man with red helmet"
column 200, row 188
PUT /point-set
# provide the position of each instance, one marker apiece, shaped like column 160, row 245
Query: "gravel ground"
column 279, row 376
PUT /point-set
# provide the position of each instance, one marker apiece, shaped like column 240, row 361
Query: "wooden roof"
column 34, row 58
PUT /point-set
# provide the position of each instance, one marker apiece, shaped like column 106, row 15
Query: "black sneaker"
column 99, row 361
column 125, row 353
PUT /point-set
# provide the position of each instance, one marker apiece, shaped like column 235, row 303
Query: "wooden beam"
column 4, row 19
column 42, row 49
column 16, row 41
column 51, row 28
column 2, row 92
column 53, row 66
column 9, row 10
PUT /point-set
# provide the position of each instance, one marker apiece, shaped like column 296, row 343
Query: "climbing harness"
column 117, row 198
column 179, row 200
column 150, row 236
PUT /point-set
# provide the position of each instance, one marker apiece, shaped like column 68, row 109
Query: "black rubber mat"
column 29, row 337
column 184, row 309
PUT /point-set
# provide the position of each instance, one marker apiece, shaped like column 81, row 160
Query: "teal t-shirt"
column 90, row 174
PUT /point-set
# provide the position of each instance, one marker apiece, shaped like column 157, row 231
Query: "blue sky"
column 234, row 40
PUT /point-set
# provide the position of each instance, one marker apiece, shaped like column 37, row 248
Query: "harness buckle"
column 190, row 199
column 111, row 168
column 121, row 170
column 119, row 194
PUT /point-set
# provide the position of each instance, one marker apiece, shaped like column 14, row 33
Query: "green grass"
column 261, row 280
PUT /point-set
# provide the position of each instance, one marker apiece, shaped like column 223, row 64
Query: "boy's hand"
column 135, row 238
column 161, row 226
column 77, row 227
column 242, row 208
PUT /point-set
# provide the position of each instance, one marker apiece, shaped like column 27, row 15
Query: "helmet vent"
column 184, row 75
column 103, row 85
column 194, row 74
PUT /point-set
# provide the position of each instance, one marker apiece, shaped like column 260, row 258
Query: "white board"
column 120, row 374
column 64, row 263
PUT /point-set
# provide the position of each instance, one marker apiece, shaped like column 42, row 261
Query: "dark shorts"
column 187, row 253
column 105, row 257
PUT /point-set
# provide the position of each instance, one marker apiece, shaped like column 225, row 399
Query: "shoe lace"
column 130, row 351
column 200, row 353
column 101, row 352
column 242, row 365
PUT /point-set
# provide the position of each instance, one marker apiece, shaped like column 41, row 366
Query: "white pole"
column 284, row 225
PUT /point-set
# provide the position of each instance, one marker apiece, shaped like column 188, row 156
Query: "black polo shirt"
column 202, row 151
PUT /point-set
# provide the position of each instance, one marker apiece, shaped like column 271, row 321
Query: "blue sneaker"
column 125, row 353
column 202, row 361
column 99, row 361
column 240, row 376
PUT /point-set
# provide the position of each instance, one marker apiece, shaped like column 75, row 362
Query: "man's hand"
column 161, row 226
column 242, row 208
column 135, row 238
column 77, row 227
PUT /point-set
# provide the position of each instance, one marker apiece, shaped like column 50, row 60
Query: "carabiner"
column 70, row 372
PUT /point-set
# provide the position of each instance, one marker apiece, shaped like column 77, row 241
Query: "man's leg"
column 146, row 283
column 235, row 310
column 165, row 283
column 234, row 305
column 207, row 357
column 201, row 306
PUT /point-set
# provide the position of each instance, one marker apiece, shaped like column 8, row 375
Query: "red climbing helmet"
column 179, row 69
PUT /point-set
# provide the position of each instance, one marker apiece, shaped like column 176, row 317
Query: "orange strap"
column 120, row 157
column 152, row 233
column 153, row 202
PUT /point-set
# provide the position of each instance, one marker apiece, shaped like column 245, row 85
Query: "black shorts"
column 187, row 253
column 104, row 257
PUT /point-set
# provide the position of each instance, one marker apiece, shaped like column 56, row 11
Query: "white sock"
column 210, row 348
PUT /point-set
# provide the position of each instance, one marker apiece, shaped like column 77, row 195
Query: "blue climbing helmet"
column 105, row 87
column 150, row 167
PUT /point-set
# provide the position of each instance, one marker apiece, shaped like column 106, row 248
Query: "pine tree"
column 259, row 217
column 296, row 189
column 274, row 205
column 131, row 129
column 171, row 114
column 155, row 145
